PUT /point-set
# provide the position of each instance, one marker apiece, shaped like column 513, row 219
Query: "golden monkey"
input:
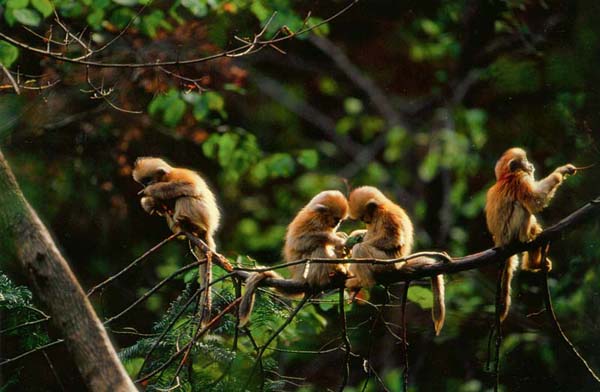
column 187, row 203
column 510, row 207
column 312, row 234
column 389, row 235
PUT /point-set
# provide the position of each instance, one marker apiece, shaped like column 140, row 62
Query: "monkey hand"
column 567, row 170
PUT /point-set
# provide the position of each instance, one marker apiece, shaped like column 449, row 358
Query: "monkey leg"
column 532, row 260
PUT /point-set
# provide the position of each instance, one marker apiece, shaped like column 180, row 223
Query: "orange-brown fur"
column 311, row 234
column 186, row 202
column 389, row 235
column 510, row 207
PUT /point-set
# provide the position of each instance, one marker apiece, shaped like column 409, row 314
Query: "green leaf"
column 353, row 105
column 17, row 4
column 421, row 296
column 96, row 18
column 280, row 165
column 196, row 7
column 8, row 54
column 227, row 145
column 174, row 112
column 215, row 101
column 345, row 124
column 27, row 17
column 429, row 167
column 44, row 6
column 209, row 147
column 308, row 158
column 121, row 16
column 152, row 22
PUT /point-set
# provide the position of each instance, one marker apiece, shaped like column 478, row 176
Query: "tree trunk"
column 52, row 281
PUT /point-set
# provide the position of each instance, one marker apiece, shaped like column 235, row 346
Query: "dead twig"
column 554, row 319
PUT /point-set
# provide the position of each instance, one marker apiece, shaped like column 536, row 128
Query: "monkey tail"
column 509, row 268
column 438, row 311
column 247, row 303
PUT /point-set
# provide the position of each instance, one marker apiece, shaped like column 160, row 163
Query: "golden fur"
column 510, row 207
column 389, row 235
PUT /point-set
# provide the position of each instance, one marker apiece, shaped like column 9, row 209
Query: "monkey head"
column 149, row 170
column 329, row 208
column 364, row 202
column 513, row 160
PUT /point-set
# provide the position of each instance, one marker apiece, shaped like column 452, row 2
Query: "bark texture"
column 25, row 237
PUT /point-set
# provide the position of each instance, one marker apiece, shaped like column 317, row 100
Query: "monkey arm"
column 170, row 190
column 153, row 206
column 309, row 242
column 537, row 194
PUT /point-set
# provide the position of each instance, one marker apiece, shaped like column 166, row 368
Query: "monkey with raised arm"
column 510, row 207
column 389, row 235
column 186, row 202
column 311, row 234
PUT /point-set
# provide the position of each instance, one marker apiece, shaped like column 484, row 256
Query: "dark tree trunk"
column 52, row 281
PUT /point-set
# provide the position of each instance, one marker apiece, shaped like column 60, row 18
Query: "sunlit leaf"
column 8, row 54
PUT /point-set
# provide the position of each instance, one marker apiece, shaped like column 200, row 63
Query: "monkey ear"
column 161, row 171
column 321, row 208
column 370, row 208
column 513, row 165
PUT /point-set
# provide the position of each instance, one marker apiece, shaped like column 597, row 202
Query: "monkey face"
column 521, row 164
column 148, row 171
column 331, row 206
column 512, row 161
column 364, row 202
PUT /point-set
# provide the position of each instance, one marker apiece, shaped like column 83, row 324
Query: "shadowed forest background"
column 418, row 98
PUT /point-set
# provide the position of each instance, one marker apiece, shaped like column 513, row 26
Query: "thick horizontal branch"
column 428, row 264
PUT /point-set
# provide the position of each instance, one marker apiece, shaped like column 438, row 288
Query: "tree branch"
column 427, row 264
column 53, row 282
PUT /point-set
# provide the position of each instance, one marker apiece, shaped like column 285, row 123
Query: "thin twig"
column 498, row 327
column 554, row 319
column 236, row 52
column 202, row 330
column 152, row 291
column 12, row 80
column 404, row 338
column 33, row 351
column 274, row 336
column 186, row 349
column 132, row 264
column 53, row 370
column 346, row 340
column 24, row 325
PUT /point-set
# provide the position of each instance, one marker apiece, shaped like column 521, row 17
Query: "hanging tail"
column 509, row 268
column 247, row 303
column 438, row 311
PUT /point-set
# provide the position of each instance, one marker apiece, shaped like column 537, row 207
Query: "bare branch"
column 427, row 264
column 554, row 319
column 245, row 49
column 131, row 265
column 12, row 80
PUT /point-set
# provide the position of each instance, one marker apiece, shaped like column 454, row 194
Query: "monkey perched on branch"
column 186, row 202
column 389, row 235
column 312, row 234
column 510, row 207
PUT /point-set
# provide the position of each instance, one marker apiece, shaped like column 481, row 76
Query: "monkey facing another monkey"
column 311, row 234
column 389, row 235
column 510, row 207
column 186, row 202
